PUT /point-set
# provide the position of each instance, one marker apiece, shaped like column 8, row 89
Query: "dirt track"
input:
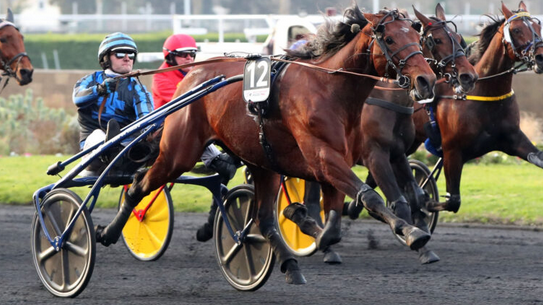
column 479, row 265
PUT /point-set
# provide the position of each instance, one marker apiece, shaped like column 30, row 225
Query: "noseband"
column 528, row 50
column 378, row 36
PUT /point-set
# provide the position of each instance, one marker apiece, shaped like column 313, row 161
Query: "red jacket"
column 165, row 84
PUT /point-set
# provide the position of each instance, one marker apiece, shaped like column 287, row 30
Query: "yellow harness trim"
column 489, row 98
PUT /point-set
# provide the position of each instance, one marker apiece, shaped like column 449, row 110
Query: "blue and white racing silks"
column 128, row 103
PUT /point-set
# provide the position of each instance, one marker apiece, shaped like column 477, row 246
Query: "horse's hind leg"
column 167, row 167
column 266, row 188
column 312, row 199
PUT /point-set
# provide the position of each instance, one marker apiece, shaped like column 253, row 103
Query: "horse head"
column 13, row 58
column 523, row 36
column 446, row 47
column 396, row 52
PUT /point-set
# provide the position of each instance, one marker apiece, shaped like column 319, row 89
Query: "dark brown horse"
column 387, row 127
column 312, row 126
column 13, row 58
column 489, row 119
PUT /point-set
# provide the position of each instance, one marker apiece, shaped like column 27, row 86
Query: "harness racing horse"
column 311, row 127
column 488, row 120
column 388, row 130
column 13, row 58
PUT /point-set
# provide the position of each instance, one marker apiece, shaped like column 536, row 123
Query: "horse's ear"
column 506, row 12
column 10, row 16
column 371, row 18
column 522, row 6
column 440, row 12
column 425, row 20
column 404, row 12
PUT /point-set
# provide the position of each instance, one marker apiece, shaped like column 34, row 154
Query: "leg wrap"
column 298, row 214
column 401, row 208
column 536, row 158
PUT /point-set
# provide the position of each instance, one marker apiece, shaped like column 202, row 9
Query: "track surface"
column 479, row 265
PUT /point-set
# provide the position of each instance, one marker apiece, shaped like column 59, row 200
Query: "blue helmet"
column 114, row 41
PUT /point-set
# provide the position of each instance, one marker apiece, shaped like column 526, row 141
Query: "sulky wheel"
column 65, row 273
column 297, row 242
column 421, row 172
column 246, row 266
column 147, row 233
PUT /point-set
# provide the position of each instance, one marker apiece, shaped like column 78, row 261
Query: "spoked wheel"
column 421, row 172
column 246, row 266
column 147, row 233
column 297, row 242
column 65, row 273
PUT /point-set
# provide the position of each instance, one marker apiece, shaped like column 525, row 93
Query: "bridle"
column 6, row 63
column 427, row 40
column 527, row 52
column 378, row 37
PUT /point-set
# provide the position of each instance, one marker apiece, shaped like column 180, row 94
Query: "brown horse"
column 489, row 119
column 311, row 127
column 13, row 58
column 387, row 127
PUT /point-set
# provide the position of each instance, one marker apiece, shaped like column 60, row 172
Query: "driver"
column 104, row 103
column 180, row 49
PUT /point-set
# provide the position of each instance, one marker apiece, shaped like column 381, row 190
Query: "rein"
column 241, row 59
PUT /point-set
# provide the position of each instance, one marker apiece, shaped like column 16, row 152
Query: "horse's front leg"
column 400, row 222
column 379, row 165
column 452, row 167
column 519, row 145
column 266, row 187
column 333, row 169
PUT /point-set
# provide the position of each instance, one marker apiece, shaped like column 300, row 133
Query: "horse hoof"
column 416, row 238
column 428, row 257
column 332, row 257
column 295, row 277
column 354, row 209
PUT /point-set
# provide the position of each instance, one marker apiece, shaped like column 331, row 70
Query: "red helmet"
column 179, row 43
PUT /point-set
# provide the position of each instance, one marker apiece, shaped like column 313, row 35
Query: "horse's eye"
column 389, row 40
column 438, row 40
column 516, row 31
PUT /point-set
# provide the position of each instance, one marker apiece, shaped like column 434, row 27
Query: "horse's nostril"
column 466, row 78
column 26, row 73
column 539, row 59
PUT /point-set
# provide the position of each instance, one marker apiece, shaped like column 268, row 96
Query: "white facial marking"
column 405, row 29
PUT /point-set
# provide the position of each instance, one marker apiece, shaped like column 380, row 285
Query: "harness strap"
column 479, row 98
column 264, row 142
column 390, row 106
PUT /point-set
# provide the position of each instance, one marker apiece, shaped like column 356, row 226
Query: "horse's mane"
column 331, row 36
column 485, row 37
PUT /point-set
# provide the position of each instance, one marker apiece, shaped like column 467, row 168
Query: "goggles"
column 184, row 54
column 119, row 55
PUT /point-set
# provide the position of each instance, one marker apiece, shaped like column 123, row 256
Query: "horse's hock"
column 55, row 87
